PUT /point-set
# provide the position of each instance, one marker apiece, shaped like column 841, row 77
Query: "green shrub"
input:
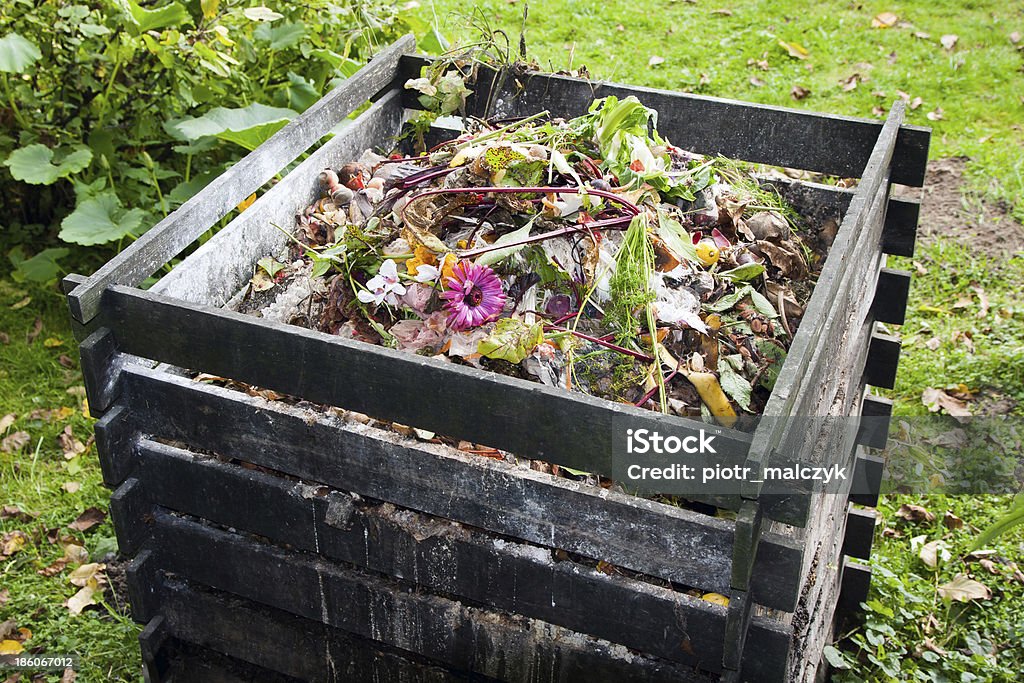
column 113, row 112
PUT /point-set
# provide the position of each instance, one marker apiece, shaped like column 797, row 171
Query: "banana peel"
column 707, row 386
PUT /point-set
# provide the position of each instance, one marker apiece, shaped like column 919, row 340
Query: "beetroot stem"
column 601, row 342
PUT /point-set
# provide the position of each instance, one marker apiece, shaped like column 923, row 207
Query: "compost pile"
column 587, row 254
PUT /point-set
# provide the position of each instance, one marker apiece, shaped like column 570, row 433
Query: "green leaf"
column 248, row 126
column 33, row 164
column 261, row 13
column 281, row 36
column 836, row 658
column 270, row 265
column 744, row 273
column 735, row 385
column 100, row 220
column 496, row 255
column 774, row 353
column 761, row 303
column 729, row 300
column 173, row 14
column 42, row 267
column 17, row 53
column 676, row 238
column 1013, row 517
column 433, row 43
column 512, row 340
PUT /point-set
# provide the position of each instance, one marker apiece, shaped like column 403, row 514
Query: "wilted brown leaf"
column 799, row 92
column 982, row 301
column 915, row 513
column 6, row 421
column 949, row 40
column 884, row 20
column 37, row 328
column 878, row 111
column 66, row 361
column 916, row 102
column 756, row 82
column 71, row 446
column 88, row 519
column 85, row 596
column 933, row 552
column 964, row 589
column 15, row 442
column 935, row 115
column 938, row 399
column 933, row 343
column 850, row 82
column 951, row 521
column 921, row 35
column 68, row 676
column 15, row 512
column 12, row 542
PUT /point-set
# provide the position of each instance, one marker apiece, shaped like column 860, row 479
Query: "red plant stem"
column 650, row 394
column 595, row 340
column 611, row 196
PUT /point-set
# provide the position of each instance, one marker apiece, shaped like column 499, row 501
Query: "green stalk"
column 18, row 116
column 498, row 132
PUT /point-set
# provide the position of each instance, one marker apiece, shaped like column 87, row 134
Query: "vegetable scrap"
column 588, row 254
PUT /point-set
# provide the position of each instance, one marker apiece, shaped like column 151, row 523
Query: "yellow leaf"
column 716, row 598
column 10, row 647
column 83, row 598
column 209, row 8
column 85, row 408
column 24, row 633
column 884, row 20
column 51, row 342
column 247, row 202
column 13, row 542
column 64, row 412
column 794, row 49
column 81, row 576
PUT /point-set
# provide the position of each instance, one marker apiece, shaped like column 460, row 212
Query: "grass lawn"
column 973, row 91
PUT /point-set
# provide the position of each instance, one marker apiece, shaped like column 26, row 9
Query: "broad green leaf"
column 17, row 53
column 735, row 385
column 744, row 273
column 100, row 220
column 836, row 658
column 676, row 238
column 301, row 95
column 496, row 255
column 281, row 36
column 172, row 14
column 42, row 267
column 776, row 355
column 33, row 164
column 261, row 13
column 512, row 340
column 270, row 265
column 248, row 126
column 346, row 66
column 761, row 303
column 729, row 300
column 433, row 43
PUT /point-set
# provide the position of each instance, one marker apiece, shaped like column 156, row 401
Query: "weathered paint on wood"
column 169, row 237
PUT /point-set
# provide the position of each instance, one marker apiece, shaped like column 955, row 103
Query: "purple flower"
column 474, row 296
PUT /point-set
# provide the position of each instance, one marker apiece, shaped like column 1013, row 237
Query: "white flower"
column 427, row 273
column 383, row 287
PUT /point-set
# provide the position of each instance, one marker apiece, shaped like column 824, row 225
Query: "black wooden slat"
column 152, row 641
column 856, row 582
column 130, row 511
column 113, row 436
column 833, row 145
column 867, row 479
column 143, row 580
column 183, row 662
column 169, row 237
column 876, row 413
column 526, row 418
column 642, row 535
column 101, row 367
column 281, row 642
column 883, row 361
column 459, row 636
column 220, row 267
column 430, row 553
column 900, row 233
column 860, row 532
column 891, row 292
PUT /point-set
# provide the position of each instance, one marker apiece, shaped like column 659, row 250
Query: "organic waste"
column 588, row 254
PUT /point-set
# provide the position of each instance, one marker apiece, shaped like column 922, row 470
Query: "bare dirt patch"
column 948, row 211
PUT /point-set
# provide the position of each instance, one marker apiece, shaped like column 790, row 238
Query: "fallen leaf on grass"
column 795, row 50
column 85, row 596
column 799, row 92
column 850, row 83
column 921, row 35
column 916, row 102
column 982, row 300
column 964, row 589
column 915, row 513
column 949, row 40
column 756, row 82
column 10, row 647
column 951, row 521
column 12, row 542
column 6, row 421
column 66, row 361
column 5, row 595
column 933, row 343
column 68, row 676
column 37, row 328
column 1015, row 37
column 71, row 486
column 88, row 519
column 71, row 446
column 934, row 552
column 15, row 512
column 15, row 442
column 21, row 304
column 937, row 399
column 989, row 566
column 722, row 12
column 52, row 342
column 878, row 111
column 935, row 115
column 654, row 61
column 884, row 20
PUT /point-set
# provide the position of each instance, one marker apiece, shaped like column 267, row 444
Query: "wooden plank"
column 152, row 640
column 302, row 649
column 883, row 361
column 130, row 510
column 113, row 445
column 860, row 532
column 876, row 414
column 833, row 145
column 867, row 479
column 856, row 582
column 648, row 537
column 169, row 237
column 440, row 557
column 891, row 292
column 526, row 418
column 453, row 634
column 736, row 630
column 900, row 233
column 142, row 581
column 185, row 662
column 221, row 266
column 101, row 368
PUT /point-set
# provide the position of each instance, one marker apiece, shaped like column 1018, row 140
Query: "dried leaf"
column 939, row 399
column 1015, row 37
column 951, row 521
column 921, row 35
column 915, row 513
column 85, row 596
column 722, row 12
column 916, row 102
column 21, row 304
column 933, row 343
column 15, row 512
column 15, row 442
column 10, row 647
column 884, row 20
column 6, row 421
column 850, row 82
column 795, row 50
column 37, row 328
column 933, row 552
column 799, row 92
column 12, row 542
column 92, row 571
column 964, row 589
column 756, row 82
column 88, row 519
column 654, row 61
column 71, row 486
column 935, row 115
column 982, row 300
column 949, row 40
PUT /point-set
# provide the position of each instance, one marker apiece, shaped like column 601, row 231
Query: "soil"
column 947, row 211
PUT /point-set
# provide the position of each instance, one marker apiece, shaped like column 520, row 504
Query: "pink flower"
column 474, row 296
